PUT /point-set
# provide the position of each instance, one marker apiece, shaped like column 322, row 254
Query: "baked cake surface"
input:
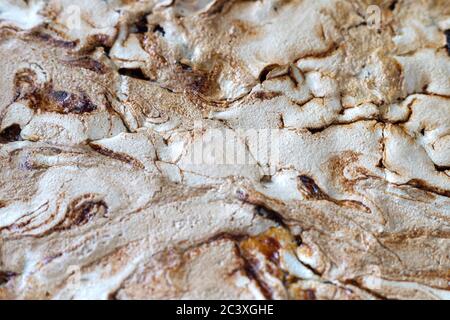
column 224, row 149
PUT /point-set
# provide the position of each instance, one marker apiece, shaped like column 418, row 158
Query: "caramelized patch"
column 337, row 166
column 263, row 95
column 44, row 97
column 44, row 37
column 25, row 83
column 194, row 80
column 270, row 214
column 66, row 102
column 179, row 76
column 117, row 155
column 423, row 185
column 309, row 187
column 251, row 270
column 81, row 211
column 401, row 237
column 98, row 40
column 310, row 294
column 87, row 63
column 267, row 245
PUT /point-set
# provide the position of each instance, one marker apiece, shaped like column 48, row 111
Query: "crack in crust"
column 100, row 123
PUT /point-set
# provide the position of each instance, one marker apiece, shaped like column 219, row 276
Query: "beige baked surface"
column 100, row 106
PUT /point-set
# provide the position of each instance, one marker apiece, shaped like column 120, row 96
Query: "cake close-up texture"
column 225, row 149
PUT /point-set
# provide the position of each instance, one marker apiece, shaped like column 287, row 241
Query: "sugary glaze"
column 104, row 103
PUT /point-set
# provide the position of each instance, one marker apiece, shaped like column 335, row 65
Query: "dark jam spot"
column 81, row 213
column 159, row 29
column 61, row 96
column 11, row 134
column 5, row 276
column 270, row 214
column 134, row 73
column 311, row 187
column 83, row 105
column 141, row 26
column 263, row 95
column 442, row 168
column 87, row 63
column 86, row 212
column 251, row 269
column 53, row 41
column 71, row 103
column 393, row 5
column 447, row 35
